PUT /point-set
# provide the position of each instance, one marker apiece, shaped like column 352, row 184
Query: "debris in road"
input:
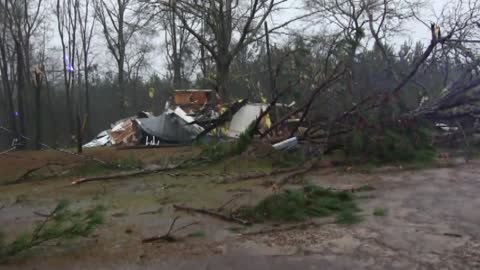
column 169, row 237
column 455, row 235
column 286, row 145
column 235, row 197
column 299, row 205
column 158, row 211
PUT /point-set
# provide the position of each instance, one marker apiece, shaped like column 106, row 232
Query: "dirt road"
column 432, row 222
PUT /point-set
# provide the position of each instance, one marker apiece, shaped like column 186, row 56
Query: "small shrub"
column 197, row 234
column 380, row 212
column 348, row 217
column 299, row 205
column 218, row 151
column 62, row 224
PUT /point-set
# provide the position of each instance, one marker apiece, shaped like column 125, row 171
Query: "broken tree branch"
column 306, row 107
column 235, row 197
column 126, row 174
column 33, row 170
column 166, row 237
column 224, row 118
column 246, row 177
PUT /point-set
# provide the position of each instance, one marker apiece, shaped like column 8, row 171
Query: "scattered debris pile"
column 195, row 114
column 171, row 127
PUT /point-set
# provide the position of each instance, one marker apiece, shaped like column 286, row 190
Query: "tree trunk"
column 121, row 86
column 87, row 97
column 20, row 91
column 38, row 108
column 223, row 76
column 177, row 64
column 79, row 134
column 51, row 111
column 8, row 91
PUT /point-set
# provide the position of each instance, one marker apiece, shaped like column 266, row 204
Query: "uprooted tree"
column 394, row 117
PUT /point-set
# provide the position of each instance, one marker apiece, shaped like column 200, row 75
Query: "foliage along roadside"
column 62, row 223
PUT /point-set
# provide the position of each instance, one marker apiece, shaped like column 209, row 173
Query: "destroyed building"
column 183, row 121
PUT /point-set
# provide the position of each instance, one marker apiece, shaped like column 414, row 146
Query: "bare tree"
column 5, row 71
column 86, row 28
column 231, row 26
column 179, row 45
column 135, row 64
column 121, row 21
column 47, row 65
column 348, row 20
column 67, row 21
column 23, row 19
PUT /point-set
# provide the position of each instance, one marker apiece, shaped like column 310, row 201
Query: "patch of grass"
column 380, row 212
column 197, row 234
column 129, row 163
column 89, row 168
column 235, row 229
column 21, row 198
column 291, row 159
column 61, row 224
column 365, row 197
column 299, row 205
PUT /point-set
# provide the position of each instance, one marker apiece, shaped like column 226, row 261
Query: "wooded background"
column 94, row 59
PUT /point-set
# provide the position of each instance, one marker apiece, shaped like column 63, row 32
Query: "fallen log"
column 228, row 218
column 124, row 175
column 252, row 176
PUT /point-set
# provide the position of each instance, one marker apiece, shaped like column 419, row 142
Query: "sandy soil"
column 433, row 222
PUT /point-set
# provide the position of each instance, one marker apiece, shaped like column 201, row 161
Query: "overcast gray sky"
column 413, row 30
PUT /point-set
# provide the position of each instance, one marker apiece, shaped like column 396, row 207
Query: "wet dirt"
column 433, row 222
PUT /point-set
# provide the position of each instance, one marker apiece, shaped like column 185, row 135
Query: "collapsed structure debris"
column 194, row 114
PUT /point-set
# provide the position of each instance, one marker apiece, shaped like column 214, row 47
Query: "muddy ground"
column 432, row 222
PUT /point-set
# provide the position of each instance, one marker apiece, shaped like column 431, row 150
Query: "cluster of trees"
column 95, row 57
